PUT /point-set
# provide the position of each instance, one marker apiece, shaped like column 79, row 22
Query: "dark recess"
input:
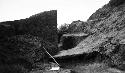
column 68, row 43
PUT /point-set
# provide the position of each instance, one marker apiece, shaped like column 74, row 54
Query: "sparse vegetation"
column 12, row 69
column 116, row 2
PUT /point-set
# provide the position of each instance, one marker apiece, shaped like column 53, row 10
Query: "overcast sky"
column 68, row 10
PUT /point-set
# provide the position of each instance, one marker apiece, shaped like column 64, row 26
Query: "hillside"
column 22, row 42
column 93, row 46
column 106, row 35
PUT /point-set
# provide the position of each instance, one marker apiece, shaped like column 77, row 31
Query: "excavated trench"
column 71, row 61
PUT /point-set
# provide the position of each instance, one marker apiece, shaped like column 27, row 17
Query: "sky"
column 67, row 10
